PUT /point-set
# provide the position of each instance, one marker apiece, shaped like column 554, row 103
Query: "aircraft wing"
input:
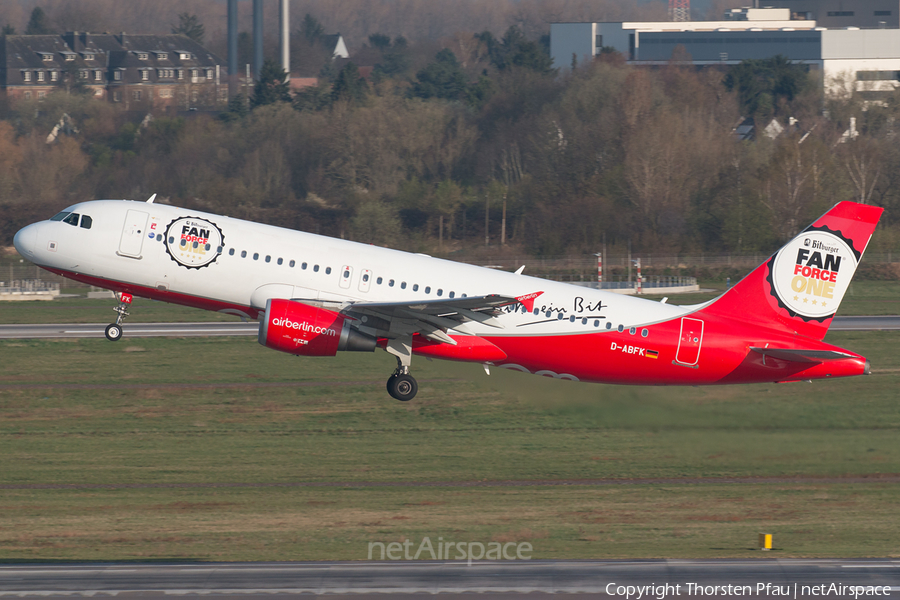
column 429, row 318
column 802, row 356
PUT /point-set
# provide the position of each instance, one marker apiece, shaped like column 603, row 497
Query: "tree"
column 396, row 58
column 38, row 24
column 376, row 223
column 272, row 85
column 514, row 50
column 380, row 41
column 763, row 85
column 349, row 85
column 190, row 26
column 8, row 30
column 443, row 78
column 311, row 29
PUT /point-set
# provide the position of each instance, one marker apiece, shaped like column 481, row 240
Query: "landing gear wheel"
column 402, row 387
column 113, row 332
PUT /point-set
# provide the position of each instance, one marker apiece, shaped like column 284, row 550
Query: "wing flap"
column 430, row 318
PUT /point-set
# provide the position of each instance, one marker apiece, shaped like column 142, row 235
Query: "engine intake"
column 305, row 330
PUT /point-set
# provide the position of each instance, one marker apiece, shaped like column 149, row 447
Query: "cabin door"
column 689, row 341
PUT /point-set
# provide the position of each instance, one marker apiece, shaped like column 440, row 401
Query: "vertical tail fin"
column 801, row 286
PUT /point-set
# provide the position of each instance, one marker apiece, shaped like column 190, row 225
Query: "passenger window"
column 291, row 264
column 86, row 222
column 219, row 249
column 391, row 283
column 303, row 266
column 452, row 294
column 158, row 237
column 171, row 240
column 328, row 270
column 621, row 328
column 231, row 252
column 415, row 287
column 346, row 274
column 403, row 285
column 440, row 292
column 379, row 280
column 207, row 247
column 183, row 242
column 316, row 268
column 256, row 256
column 196, row 244
column 365, row 278
column 427, row 289
column 280, row 261
column 72, row 219
column 243, row 254
column 572, row 319
column 609, row 324
column 268, row 258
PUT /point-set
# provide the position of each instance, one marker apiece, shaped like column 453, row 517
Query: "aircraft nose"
column 25, row 240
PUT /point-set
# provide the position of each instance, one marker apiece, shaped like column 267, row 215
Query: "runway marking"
column 454, row 484
column 173, row 332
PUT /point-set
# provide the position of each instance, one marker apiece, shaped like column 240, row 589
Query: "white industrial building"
column 867, row 60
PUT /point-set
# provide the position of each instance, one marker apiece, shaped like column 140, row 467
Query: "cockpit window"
column 86, row 222
column 59, row 216
column 72, row 219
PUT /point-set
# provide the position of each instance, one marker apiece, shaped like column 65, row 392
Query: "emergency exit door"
column 133, row 233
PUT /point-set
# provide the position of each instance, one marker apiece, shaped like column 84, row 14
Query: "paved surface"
column 456, row 579
column 136, row 330
column 131, row 330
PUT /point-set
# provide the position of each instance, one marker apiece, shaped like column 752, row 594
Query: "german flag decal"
column 651, row 354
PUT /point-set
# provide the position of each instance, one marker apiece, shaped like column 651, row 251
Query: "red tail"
column 801, row 286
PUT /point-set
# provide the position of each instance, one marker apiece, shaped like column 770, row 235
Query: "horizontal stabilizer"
column 801, row 355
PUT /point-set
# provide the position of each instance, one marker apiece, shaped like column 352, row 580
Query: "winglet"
column 520, row 269
column 151, row 199
column 528, row 300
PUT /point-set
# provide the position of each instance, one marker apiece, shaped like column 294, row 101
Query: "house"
column 141, row 72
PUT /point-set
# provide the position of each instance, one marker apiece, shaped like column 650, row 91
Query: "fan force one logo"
column 304, row 327
column 811, row 274
column 193, row 243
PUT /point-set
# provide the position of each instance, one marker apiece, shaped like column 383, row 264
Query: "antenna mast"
column 680, row 10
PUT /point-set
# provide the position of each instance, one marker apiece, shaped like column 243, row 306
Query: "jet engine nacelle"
column 305, row 330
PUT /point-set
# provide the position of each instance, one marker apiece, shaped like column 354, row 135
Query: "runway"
column 141, row 330
column 763, row 578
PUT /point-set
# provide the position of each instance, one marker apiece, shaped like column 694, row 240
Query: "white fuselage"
column 258, row 262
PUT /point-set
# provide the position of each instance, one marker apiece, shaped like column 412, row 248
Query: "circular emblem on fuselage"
column 193, row 242
column 811, row 274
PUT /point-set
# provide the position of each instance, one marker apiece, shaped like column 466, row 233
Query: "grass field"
column 193, row 449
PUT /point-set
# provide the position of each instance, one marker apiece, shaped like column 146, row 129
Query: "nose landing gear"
column 114, row 330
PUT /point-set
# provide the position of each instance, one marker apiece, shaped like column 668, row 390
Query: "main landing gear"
column 401, row 385
column 114, row 330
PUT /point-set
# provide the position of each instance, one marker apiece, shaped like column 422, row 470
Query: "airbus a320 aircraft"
column 316, row 296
